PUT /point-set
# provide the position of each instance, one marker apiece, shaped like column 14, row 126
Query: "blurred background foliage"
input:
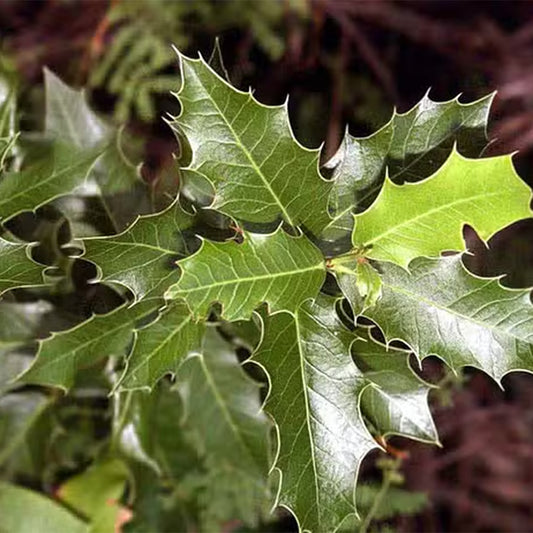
column 344, row 63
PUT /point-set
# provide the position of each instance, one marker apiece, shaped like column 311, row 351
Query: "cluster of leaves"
column 263, row 268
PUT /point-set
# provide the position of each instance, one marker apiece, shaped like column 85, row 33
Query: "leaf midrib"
column 53, row 176
column 432, row 211
column 251, row 279
column 248, row 155
column 148, row 357
column 431, row 303
column 226, row 413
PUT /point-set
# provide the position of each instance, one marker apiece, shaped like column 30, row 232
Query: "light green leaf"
column 16, row 267
column 24, row 510
column 223, row 415
column 440, row 308
column 141, row 257
column 368, row 283
column 412, row 146
column 59, row 172
column 161, row 347
column 318, row 396
column 95, row 493
column 278, row 269
column 63, row 354
column 249, row 153
column 426, row 218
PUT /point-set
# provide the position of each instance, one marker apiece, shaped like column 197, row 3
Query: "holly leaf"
column 113, row 179
column 439, row 308
column 278, row 269
column 411, row 146
column 162, row 346
column 141, row 257
column 396, row 399
column 63, row 354
column 426, row 218
column 23, row 510
column 17, row 269
column 249, row 153
column 60, row 171
column 226, row 424
column 368, row 283
column 319, row 397
column 314, row 400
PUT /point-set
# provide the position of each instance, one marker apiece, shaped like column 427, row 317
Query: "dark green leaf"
column 161, row 347
column 141, row 257
column 16, row 267
column 61, row 356
column 440, row 308
column 249, row 153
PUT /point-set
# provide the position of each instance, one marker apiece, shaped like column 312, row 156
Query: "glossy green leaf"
column 411, row 146
column 318, row 396
column 16, row 267
column 161, row 347
column 61, row 356
column 278, row 269
column 440, row 308
column 368, row 283
column 314, row 400
column 426, row 218
column 223, row 414
column 59, row 172
column 23, row 510
column 396, row 399
column 141, row 257
column 248, row 152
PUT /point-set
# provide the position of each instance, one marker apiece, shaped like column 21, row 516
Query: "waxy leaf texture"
column 318, row 396
column 141, row 257
column 427, row 218
column 280, row 270
column 16, row 268
column 462, row 318
column 410, row 147
column 248, row 152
